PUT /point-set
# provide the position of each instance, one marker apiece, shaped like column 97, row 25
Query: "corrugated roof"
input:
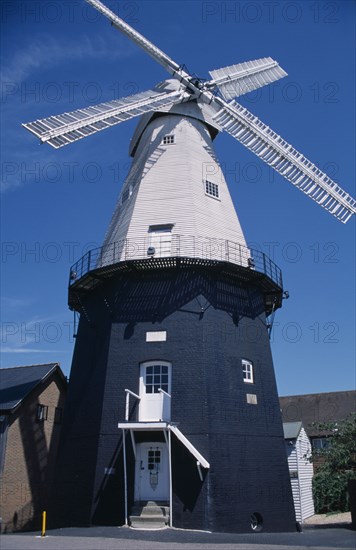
column 17, row 382
column 291, row 429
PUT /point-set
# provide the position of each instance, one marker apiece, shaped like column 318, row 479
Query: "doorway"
column 151, row 472
column 155, row 389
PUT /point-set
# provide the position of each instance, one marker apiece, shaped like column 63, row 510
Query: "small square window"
column 247, row 371
column 42, row 413
column 212, row 189
column 168, row 140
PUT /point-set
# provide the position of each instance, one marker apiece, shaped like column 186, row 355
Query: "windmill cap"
column 192, row 109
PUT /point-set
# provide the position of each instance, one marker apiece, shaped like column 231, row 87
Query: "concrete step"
column 149, row 515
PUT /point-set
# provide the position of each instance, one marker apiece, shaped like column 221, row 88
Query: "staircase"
column 149, row 515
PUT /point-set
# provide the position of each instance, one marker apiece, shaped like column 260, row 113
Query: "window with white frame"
column 247, row 371
column 212, row 189
column 157, row 377
column 168, row 140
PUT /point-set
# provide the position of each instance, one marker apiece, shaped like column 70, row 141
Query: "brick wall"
column 29, row 458
column 208, row 334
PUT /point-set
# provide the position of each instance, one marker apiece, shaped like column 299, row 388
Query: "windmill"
column 168, row 305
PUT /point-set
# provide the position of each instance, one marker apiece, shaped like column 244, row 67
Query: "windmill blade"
column 237, row 80
column 157, row 54
column 286, row 160
column 66, row 128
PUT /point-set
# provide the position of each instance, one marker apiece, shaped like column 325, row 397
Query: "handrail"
column 165, row 393
column 127, row 404
column 179, row 246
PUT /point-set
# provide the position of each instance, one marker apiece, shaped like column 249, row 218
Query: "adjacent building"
column 311, row 409
column 31, row 405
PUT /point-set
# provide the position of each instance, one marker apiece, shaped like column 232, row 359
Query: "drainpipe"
column 125, row 473
column 170, row 478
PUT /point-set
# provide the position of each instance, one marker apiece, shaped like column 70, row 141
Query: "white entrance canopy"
column 167, row 429
column 149, row 426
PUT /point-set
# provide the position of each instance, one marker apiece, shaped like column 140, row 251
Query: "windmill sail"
column 237, row 80
column 66, row 128
column 231, row 81
column 163, row 59
column 286, row 160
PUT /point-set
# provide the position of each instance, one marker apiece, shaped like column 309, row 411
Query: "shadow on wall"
column 153, row 297
column 39, row 447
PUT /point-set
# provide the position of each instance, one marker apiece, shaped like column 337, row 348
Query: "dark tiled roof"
column 291, row 429
column 17, row 382
column 317, row 407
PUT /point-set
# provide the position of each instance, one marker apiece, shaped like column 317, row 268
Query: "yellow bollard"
column 44, row 514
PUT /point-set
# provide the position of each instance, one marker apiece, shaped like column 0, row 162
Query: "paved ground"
column 121, row 538
column 329, row 519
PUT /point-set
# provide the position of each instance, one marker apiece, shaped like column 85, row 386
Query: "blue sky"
column 58, row 56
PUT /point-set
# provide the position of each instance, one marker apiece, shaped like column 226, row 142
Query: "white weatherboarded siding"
column 166, row 187
column 301, row 471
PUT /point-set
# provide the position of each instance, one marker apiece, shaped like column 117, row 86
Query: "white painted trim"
column 127, row 404
column 154, row 406
column 147, row 426
column 199, row 470
column 133, row 443
column 142, row 426
column 247, row 363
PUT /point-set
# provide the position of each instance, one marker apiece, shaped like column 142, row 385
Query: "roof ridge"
column 29, row 366
column 317, row 393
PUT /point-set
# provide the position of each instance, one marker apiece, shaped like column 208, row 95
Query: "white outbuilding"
column 298, row 448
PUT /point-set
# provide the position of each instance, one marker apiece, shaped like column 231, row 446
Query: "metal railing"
column 127, row 403
column 175, row 246
column 165, row 405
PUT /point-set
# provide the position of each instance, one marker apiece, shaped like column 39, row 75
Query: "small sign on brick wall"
column 251, row 398
column 156, row 336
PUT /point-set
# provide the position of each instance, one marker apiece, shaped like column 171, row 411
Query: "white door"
column 152, row 472
column 161, row 240
column 155, row 405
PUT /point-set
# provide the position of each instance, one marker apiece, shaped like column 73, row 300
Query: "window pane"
column 247, row 371
column 211, row 189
